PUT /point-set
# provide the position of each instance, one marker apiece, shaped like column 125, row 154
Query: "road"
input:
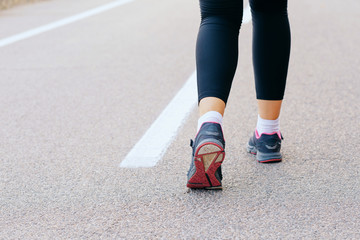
column 76, row 99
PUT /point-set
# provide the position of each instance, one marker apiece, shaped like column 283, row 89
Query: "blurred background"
column 5, row 4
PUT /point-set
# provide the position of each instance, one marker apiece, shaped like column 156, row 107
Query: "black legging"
column 217, row 47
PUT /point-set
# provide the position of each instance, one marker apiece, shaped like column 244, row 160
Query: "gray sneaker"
column 266, row 147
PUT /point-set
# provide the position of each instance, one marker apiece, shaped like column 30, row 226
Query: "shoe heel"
column 210, row 153
column 212, row 156
column 268, row 157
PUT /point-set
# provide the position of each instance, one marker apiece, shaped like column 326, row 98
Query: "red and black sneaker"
column 207, row 157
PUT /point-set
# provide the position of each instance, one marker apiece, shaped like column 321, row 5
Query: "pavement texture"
column 75, row 100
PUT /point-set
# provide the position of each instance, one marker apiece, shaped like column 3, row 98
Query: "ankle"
column 267, row 126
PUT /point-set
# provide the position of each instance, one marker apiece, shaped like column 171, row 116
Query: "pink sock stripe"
column 258, row 136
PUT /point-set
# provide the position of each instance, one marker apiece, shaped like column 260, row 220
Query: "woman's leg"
column 217, row 52
column 271, row 51
column 216, row 61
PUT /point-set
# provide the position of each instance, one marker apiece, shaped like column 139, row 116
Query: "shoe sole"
column 208, row 158
column 264, row 157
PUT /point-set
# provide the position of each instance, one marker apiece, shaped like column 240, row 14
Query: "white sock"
column 267, row 126
column 211, row 116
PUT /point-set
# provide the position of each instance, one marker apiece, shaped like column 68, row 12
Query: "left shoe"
column 266, row 147
column 207, row 156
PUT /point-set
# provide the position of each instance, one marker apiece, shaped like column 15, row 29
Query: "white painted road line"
column 153, row 145
column 62, row 22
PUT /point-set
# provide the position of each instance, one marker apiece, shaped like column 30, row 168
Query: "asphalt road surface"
column 76, row 99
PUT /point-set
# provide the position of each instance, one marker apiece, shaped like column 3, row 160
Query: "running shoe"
column 266, row 147
column 207, row 156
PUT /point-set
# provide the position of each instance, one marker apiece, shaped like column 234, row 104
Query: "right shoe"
column 266, row 146
column 207, row 156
